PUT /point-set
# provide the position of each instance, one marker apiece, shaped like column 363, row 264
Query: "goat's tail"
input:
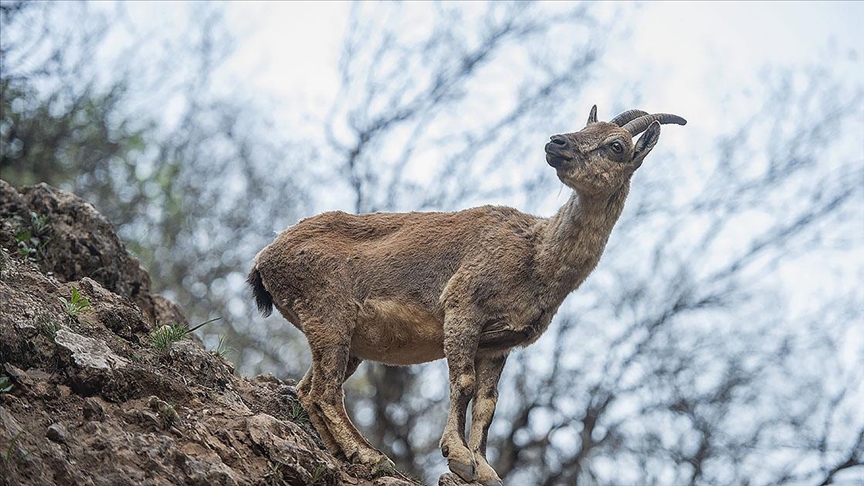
column 262, row 297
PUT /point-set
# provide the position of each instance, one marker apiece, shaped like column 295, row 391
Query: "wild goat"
column 406, row 288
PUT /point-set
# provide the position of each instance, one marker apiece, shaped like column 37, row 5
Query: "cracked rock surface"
column 91, row 402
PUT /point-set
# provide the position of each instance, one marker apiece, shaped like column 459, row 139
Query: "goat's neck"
column 575, row 237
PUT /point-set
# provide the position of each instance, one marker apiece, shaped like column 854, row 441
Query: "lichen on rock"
column 88, row 353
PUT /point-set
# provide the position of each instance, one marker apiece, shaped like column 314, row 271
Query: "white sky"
column 290, row 49
column 683, row 54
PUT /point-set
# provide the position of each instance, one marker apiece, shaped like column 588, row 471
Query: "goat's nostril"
column 558, row 139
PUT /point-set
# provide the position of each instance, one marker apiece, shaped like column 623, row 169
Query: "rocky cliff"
column 101, row 384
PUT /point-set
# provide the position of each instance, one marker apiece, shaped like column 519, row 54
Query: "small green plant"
column 39, row 224
column 165, row 336
column 32, row 239
column 27, row 245
column 274, row 474
column 5, row 386
column 165, row 410
column 78, row 304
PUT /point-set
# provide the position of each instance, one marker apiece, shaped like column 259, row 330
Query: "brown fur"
column 469, row 286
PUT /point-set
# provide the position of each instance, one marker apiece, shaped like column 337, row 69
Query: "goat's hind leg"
column 330, row 362
column 314, row 414
column 303, row 389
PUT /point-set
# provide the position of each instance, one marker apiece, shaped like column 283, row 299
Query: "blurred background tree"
column 718, row 342
column 182, row 170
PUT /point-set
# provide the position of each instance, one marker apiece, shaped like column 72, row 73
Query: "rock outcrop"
column 86, row 398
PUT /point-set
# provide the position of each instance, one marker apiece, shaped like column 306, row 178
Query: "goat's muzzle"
column 557, row 151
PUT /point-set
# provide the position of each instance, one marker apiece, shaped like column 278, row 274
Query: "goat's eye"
column 616, row 147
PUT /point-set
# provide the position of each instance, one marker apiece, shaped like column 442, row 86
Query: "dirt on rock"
column 86, row 398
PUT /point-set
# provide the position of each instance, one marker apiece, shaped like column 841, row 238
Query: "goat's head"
column 601, row 157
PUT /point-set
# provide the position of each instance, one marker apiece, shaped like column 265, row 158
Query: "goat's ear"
column 645, row 143
column 592, row 117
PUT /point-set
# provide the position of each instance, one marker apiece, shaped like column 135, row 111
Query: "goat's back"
column 406, row 255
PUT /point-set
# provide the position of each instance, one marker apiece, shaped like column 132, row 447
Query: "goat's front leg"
column 460, row 348
column 488, row 370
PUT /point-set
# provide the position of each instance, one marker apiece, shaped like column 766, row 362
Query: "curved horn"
column 639, row 125
column 592, row 117
column 627, row 116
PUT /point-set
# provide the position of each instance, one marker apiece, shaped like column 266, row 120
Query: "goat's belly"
column 398, row 334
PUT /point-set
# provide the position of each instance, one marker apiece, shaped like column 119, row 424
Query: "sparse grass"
column 165, row 336
column 7, row 456
column 47, row 326
column 298, row 414
column 317, row 475
column 78, row 304
column 223, row 349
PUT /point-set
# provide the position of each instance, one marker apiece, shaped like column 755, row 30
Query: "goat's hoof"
column 383, row 467
column 486, row 475
column 491, row 482
column 464, row 471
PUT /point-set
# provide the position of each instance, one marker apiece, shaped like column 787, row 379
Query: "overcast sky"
column 688, row 49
